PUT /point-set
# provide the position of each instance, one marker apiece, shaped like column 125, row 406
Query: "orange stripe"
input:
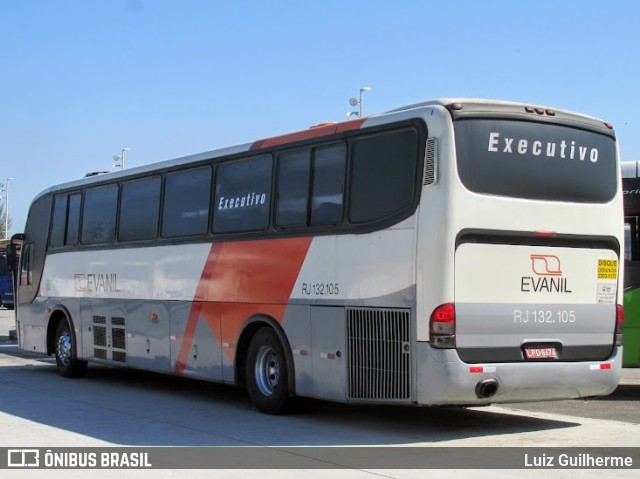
column 194, row 313
column 241, row 279
column 314, row 132
column 187, row 341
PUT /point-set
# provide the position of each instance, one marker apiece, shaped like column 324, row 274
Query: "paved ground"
column 113, row 407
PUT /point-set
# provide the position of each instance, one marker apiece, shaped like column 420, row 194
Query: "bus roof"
column 467, row 106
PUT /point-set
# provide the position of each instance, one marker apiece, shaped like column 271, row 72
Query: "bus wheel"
column 68, row 364
column 266, row 373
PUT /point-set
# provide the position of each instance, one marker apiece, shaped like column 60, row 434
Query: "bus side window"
column 327, row 197
column 139, row 209
column 383, row 177
column 243, row 195
column 73, row 220
column 99, row 215
column 59, row 221
column 186, row 203
column 25, row 265
column 293, row 188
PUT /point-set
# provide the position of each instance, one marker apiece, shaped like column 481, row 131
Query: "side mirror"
column 12, row 257
column 13, row 250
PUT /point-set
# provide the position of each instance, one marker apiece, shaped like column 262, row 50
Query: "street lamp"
column 6, row 207
column 120, row 158
column 357, row 102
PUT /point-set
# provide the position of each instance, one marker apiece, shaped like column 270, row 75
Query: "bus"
column 6, row 283
column 631, row 195
column 450, row 252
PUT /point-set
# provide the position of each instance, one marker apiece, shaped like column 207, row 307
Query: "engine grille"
column 379, row 353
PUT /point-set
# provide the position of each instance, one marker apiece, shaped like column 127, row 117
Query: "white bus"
column 449, row 252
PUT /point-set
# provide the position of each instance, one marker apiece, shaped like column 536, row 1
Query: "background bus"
column 6, row 283
column 631, row 189
column 448, row 252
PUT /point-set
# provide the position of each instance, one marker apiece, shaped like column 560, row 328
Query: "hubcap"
column 63, row 348
column 267, row 370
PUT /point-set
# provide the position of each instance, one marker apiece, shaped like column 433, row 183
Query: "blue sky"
column 81, row 79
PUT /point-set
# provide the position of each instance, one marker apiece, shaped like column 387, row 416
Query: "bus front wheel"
column 266, row 373
column 67, row 361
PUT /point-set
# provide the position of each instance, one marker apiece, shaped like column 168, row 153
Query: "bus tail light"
column 442, row 327
column 619, row 325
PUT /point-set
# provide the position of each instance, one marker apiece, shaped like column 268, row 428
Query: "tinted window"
column 4, row 270
column 242, row 198
column 535, row 160
column 59, row 222
column 139, row 210
column 73, row 220
column 383, row 175
column 293, row 188
column 186, row 203
column 26, row 264
column 628, row 240
column 328, row 185
column 99, row 216
column 631, row 195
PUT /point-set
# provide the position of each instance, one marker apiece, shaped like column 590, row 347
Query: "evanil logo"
column 547, row 276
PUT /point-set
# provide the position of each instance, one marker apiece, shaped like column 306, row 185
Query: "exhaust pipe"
column 486, row 388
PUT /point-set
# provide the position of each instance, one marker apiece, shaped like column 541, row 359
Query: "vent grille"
column 117, row 321
column 119, row 356
column 100, row 336
column 430, row 162
column 118, row 339
column 109, row 339
column 379, row 353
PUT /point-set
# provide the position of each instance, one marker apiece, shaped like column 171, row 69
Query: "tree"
column 2, row 219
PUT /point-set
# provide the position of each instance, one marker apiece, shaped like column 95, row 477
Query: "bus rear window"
column 525, row 159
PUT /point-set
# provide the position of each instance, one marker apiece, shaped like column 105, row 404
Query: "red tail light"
column 442, row 326
column 619, row 324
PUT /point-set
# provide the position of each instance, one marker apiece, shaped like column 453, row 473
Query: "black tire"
column 267, row 375
column 67, row 361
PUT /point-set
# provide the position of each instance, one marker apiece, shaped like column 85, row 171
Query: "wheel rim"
column 63, row 348
column 267, row 370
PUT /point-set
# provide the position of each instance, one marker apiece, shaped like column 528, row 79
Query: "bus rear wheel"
column 67, row 361
column 266, row 373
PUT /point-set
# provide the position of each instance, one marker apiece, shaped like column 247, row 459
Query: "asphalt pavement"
column 113, row 407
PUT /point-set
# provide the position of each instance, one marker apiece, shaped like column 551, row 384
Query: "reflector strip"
column 600, row 367
column 482, row 369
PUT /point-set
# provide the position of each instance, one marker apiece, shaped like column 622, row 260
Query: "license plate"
column 541, row 353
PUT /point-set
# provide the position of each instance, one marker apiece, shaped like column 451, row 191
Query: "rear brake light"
column 619, row 325
column 442, row 326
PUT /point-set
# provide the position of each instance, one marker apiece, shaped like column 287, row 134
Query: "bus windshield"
column 525, row 159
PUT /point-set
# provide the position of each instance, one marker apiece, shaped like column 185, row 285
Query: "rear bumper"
column 444, row 379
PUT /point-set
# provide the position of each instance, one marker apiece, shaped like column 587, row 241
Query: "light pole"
column 358, row 101
column 6, row 208
column 120, row 158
